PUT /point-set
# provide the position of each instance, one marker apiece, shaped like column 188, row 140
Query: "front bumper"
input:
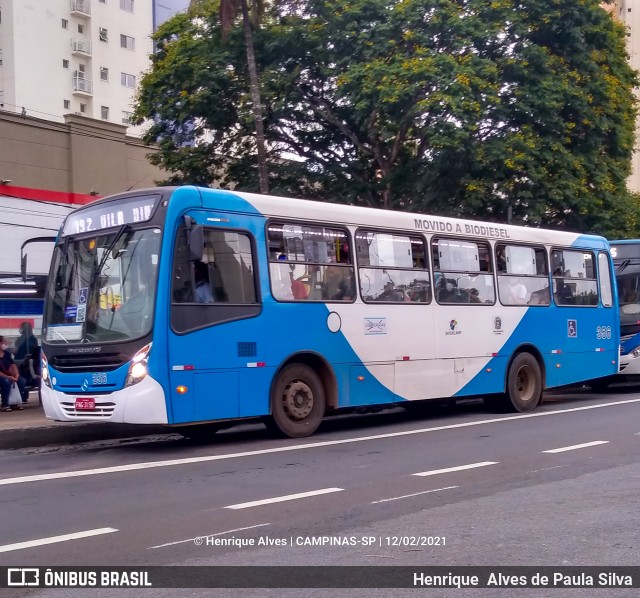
column 142, row 403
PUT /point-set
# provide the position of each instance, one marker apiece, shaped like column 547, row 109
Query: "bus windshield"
column 102, row 288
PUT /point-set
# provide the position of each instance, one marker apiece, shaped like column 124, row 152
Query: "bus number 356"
column 603, row 332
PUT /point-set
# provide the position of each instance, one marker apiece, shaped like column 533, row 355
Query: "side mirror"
column 23, row 267
column 23, row 255
column 196, row 242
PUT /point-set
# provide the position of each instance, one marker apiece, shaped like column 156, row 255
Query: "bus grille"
column 101, row 410
column 105, row 362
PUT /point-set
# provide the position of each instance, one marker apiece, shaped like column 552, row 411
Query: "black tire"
column 200, row 432
column 297, row 402
column 524, row 383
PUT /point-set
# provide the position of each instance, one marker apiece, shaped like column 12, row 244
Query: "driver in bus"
column 203, row 292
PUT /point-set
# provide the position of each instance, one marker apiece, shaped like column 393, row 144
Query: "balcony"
column 81, row 47
column 82, row 86
column 81, row 8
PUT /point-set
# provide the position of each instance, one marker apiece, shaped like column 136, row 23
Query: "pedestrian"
column 26, row 343
column 8, row 377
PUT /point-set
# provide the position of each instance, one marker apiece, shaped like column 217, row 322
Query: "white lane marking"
column 268, row 501
column 291, row 448
column 229, row 531
column 456, row 468
column 55, row 539
column 377, row 502
column 576, row 446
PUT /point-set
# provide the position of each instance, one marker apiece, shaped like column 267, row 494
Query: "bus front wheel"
column 524, row 383
column 297, row 401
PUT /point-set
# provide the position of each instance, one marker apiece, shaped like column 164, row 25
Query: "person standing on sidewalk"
column 8, row 377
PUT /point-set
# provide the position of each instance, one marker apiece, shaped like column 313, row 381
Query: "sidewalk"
column 30, row 428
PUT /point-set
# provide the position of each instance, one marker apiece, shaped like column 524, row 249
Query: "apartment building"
column 80, row 57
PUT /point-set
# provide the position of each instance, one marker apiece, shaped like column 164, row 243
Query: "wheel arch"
column 321, row 366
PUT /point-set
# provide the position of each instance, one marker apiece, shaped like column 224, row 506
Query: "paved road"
column 556, row 487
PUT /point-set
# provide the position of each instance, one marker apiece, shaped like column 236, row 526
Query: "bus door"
column 213, row 299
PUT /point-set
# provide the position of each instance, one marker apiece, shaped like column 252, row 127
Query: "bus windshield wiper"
column 124, row 228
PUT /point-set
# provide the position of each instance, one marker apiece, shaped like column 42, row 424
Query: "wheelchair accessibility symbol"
column 572, row 328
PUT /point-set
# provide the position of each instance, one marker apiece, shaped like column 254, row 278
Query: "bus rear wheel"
column 297, row 402
column 524, row 383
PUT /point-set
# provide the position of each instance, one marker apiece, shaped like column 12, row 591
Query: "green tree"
column 507, row 110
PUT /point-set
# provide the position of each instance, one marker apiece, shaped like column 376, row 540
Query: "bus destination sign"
column 110, row 214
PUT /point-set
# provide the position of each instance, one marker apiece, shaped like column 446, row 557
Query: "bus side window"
column 224, row 275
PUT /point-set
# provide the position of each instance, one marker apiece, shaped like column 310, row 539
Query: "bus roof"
column 289, row 208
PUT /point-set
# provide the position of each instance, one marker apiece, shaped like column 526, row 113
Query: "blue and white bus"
column 199, row 306
column 626, row 260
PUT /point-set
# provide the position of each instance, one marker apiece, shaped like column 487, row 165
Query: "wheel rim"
column 297, row 399
column 525, row 384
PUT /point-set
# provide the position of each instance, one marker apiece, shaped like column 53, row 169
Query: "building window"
column 104, row 112
column 104, row 73
column 103, row 34
column 65, row 63
column 80, row 28
column 66, row 104
column 127, row 80
column 83, row 108
column 65, row 24
column 102, row 1
column 126, row 5
column 127, row 42
column 126, row 117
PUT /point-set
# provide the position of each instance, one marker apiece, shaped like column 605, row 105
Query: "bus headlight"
column 44, row 368
column 635, row 352
column 138, row 367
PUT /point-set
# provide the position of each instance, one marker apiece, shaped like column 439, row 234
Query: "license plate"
column 85, row 404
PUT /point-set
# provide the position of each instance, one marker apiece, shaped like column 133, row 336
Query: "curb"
column 64, row 433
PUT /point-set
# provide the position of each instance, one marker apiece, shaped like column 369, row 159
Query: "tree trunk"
column 263, row 175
